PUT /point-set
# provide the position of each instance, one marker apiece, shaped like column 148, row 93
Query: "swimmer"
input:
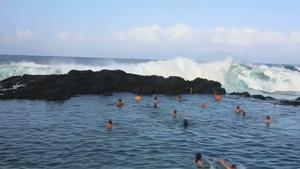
column 226, row 165
column 217, row 96
column 185, row 123
column 109, row 124
column 174, row 113
column 268, row 119
column 155, row 102
column 137, row 98
column 119, row 103
column 238, row 109
column 243, row 113
column 179, row 98
column 199, row 161
column 204, row 106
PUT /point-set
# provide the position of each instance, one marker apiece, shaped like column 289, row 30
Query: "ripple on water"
column 72, row 134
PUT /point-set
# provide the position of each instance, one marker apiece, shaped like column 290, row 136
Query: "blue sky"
column 248, row 30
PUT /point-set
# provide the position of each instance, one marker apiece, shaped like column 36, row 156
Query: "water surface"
column 71, row 134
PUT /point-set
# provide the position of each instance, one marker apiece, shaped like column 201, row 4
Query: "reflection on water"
column 72, row 134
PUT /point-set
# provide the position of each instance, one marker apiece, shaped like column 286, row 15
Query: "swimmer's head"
column 155, row 98
column 109, row 121
column 175, row 111
column 120, row 100
column 238, row 107
column 198, row 157
column 268, row 117
column 233, row 166
column 185, row 123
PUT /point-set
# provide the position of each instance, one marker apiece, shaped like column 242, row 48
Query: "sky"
column 261, row 31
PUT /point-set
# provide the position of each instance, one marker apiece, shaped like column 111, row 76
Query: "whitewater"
column 280, row 81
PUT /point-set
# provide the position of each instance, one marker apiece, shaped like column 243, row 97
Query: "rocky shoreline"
column 106, row 82
column 295, row 102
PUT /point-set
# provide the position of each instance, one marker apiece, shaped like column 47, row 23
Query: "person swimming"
column 268, row 119
column 204, row 106
column 226, row 165
column 137, row 98
column 199, row 161
column 238, row 109
column 119, row 103
column 109, row 124
column 217, row 96
column 179, row 98
column 155, row 102
column 243, row 113
column 174, row 113
column 185, row 123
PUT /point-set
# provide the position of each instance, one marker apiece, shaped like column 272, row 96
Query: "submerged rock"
column 104, row 82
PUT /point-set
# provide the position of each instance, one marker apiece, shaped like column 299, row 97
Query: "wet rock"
column 105, row 82
column 290, row 102
column 261, row 97
column 242, row 94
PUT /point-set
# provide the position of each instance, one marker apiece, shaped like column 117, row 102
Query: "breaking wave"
column 254, row 78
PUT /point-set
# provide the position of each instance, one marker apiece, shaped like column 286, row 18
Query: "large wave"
column 254, row 78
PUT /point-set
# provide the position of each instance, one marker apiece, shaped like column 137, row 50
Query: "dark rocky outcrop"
column 105, row 82
column 290, row 102
column 246, row 94
column 242, row 94
column 295, row 102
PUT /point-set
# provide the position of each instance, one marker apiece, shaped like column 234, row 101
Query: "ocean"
column 279, row 81
column 71, row 134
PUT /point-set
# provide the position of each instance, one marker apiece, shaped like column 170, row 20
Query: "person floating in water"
column 155, row 102
column 119, row 103
column 199, row 161
column 238, row 109
column 268, row 120
column 179, row 98
column 185, row 123
column 174, row 113
column 226, row 165
column 204, row 105
column 109, row 124
column 217, row 96
column 137, row 98
column 243, row 113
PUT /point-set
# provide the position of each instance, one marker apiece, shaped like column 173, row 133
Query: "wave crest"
column 253, row 78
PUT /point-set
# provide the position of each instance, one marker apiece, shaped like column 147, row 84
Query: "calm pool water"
column 72, row 134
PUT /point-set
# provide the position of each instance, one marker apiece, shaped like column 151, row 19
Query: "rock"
column 290, row 102
column 243, row 94
column 261, row 97
column 104, row 82
column 270, row 98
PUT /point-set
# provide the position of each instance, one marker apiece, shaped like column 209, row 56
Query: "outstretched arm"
column 225, row 164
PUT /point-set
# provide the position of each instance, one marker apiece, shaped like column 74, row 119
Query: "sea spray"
column 254, row 78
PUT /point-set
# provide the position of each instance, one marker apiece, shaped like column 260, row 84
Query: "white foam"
column 234, row 76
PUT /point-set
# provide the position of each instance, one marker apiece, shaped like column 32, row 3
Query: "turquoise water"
column 72, row 134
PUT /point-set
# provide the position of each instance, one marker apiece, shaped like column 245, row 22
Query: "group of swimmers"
column 199, row 161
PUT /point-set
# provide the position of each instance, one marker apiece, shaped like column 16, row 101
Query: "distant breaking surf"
column 281, row 80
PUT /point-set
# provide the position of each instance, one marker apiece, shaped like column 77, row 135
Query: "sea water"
column 71, row 134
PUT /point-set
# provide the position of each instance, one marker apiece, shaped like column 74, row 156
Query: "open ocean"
column 71, row 134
